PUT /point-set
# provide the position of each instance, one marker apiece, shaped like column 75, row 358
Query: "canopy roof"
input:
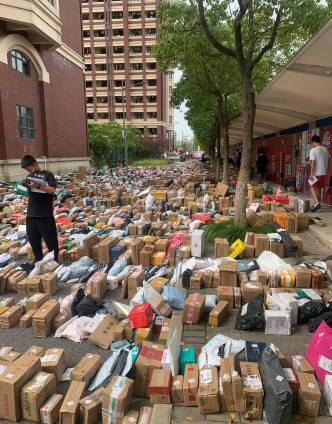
column 301, row 92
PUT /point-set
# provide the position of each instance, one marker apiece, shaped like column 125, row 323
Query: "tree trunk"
column 225, row 173
column 211, row 152
column 218, row 154
column 248, row 116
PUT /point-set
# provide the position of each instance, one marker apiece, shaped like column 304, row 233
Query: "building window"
column 170, row 119
column 152, row 83
column 86, row 34
column 134, row 15
column 136, row 67
column 152, row 115
column 87, row 50
column 25, row 122
column 152, row 99
column 90, row 115
column 51, row 2
column 151, row 14
column 170, row 105
column 88, row 84
column 89, row 100
column 117, row 15
column 170, row 89
column 88, row 67
column 20, row 63
column 102, row 115
column 152, row 66
column 151, row 32
column 103, row 83
column 152, row 131
column 170, row 75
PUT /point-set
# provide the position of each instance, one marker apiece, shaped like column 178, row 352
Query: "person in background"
column 40, row 219
column 261, row 165
column 201, row 162
column 319, row 157
column 238, row 158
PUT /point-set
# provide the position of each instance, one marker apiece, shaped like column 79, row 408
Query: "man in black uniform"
column 40, row 218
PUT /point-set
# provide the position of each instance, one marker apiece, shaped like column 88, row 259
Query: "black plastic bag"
column 314, row 323
column 85, row 306
column 251, row 315
column 308, row 309
column 186, row 278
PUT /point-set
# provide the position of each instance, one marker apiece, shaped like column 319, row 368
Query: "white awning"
column 301, row 92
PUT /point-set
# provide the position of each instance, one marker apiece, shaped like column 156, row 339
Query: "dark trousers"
column 42, row 228
column 260, row 177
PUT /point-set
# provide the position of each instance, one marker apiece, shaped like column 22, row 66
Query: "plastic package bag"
column 138, row 299
column 314, row 323
column 210, row 302
column 242, row 266
column 77, row 269
column 65, row 303
column 117, row 267
column 63, row 326
column 195, row 225
column 104, row 371
column 319, row 352
column 149, row 202
column 36, row 270
column 174, row 297
column 251, row 315
column 274, row 237
column 278, row 399
column 269, row 260
column 308, row 309
column 76, row 330
column 203, row 263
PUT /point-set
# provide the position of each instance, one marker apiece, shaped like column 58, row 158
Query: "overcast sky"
column 182, row 124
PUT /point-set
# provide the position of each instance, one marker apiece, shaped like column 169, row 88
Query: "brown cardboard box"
column 34, row 393
column 149, row 357
column 54, row 362
column 218, row 313
column 49, row 412
column 42, row 319
column 121, row 389
column 177, row 389
column 104, row 248
column 196, row 280
column 258, row 276
column 103, row 335
column 135, row 280
column 221, row 248
column 11, row 383
column 237, row 297
column 131, row 417
column 9, row 357
column 253, row 394
column 165, row 329
column 159, row 386
column 76, row 286
column 249, row 251
column 21, row 287
column 158, row 283
column 35, row 351
column 88, row 242
column 262, row 242
column 36, row 301
column 15, row 278
column 69, row 410
column 144, row 334
column 48, row 266
column 26, row 319
column 302, row 276
column 216, row 279
column 9, row 318
column 228, row 275
column 190, row 385
column 309, row 395
column 98, row 285
column 208, row 278
column 33, row 285
column 145, row 415
column 90, row 407
column 227, row 294
column 250, row 290
column 317, row 278
column 145, row 255
column 184, row 252
column 49, row 283
column 226, row 381
column 119, row 332
column 59, row 320
column 4, row 274
column 194, row 308
column 163, row 307
column 221, row 189
column 208, row 392
column 302, row 219
column 136, row 247
column 86, row 368
column 237, row 386
column 277, row 248
column 255, row 220
column 300, row 364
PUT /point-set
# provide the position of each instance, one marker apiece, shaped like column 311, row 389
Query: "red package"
column 140, row 316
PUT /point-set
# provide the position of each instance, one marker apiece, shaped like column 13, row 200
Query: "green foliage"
column 152, row 162
column 231, row 232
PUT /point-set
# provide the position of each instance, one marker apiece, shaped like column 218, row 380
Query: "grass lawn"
column 152, row 162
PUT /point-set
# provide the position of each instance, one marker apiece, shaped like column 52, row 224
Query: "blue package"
column 116, row 251
column 254, row 351
column 174, row 297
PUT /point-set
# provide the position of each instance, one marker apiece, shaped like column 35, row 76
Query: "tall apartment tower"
column 118, row 36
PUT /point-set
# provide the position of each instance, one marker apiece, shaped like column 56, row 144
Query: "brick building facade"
column 42, row 93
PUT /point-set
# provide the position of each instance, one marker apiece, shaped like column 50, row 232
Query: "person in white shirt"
column 319, row 157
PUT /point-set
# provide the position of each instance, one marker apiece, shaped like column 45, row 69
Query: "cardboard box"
column 161, row 245
column 103, row 335
column 302, row 276
column 249, row 251
column 34, row 393
column 26, row 319
column 35, row 351
column 42, row 319
column 177, row 389
column 49, row 412
column 11, row 383
column 208, row 278
column 196, row 280
column 329, row 270
column 59, row 320
column 197, row 243
column 9, row 357
column 36, row 301
column 149, row 357
column 145, row 255
column 69, row 411
column 309, row 395
column 250, row 290
column 237, row 386
column 86, row 368
column 208, row 392
column 163, row 307
column 194, row 308
column 293, row 383
column 88, row 242
column 136, row 247
column 165, row 329
column 218, row 313
column 140, row 315
column 145, row 415
column 221, row 248
column 135, row 280
column 190, row 385
column 300, row 364
column 98, row 285
column 158, row 283
column 216, row 279
column 90, row 407
column 226, row 381
column 317, row 278
column 9, row 318
column 237, row 297
column 143, row 334
column 328, row 392
column 15, row 278
column 286, row 279
column 116, row 399
column 54, row 362
column 159, row 387
column 252, row 390
column 277, row 248
column 262, row 242
column 49, row 283
column 226, row 294
column 187, row 356
column 299, row 243
column 4, row 274
column 228, row 273
column 131, row 417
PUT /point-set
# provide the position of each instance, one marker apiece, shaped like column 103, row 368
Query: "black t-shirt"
column 40, row 204
column 262, row 162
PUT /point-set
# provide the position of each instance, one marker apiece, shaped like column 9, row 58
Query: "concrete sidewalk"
column 324, row 234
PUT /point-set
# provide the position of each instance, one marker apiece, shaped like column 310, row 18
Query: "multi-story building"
column 118, row 36
column 42, row 91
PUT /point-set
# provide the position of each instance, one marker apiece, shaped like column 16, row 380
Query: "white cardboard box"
column 328, row 392
column 277, row 322
column 197, row 243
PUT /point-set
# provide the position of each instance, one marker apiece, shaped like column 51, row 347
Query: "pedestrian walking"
column 40, row 222
column 201, row 162
column 319, row 157
column 238, row 158
column 261, row 165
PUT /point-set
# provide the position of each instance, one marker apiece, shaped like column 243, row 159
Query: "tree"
column 246, row 31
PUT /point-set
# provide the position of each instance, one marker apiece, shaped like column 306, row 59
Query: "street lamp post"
column 173, row 134
column 124, row 119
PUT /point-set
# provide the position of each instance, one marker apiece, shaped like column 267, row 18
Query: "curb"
column 319, row 233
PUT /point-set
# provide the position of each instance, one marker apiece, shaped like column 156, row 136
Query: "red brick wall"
column 70, row 14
